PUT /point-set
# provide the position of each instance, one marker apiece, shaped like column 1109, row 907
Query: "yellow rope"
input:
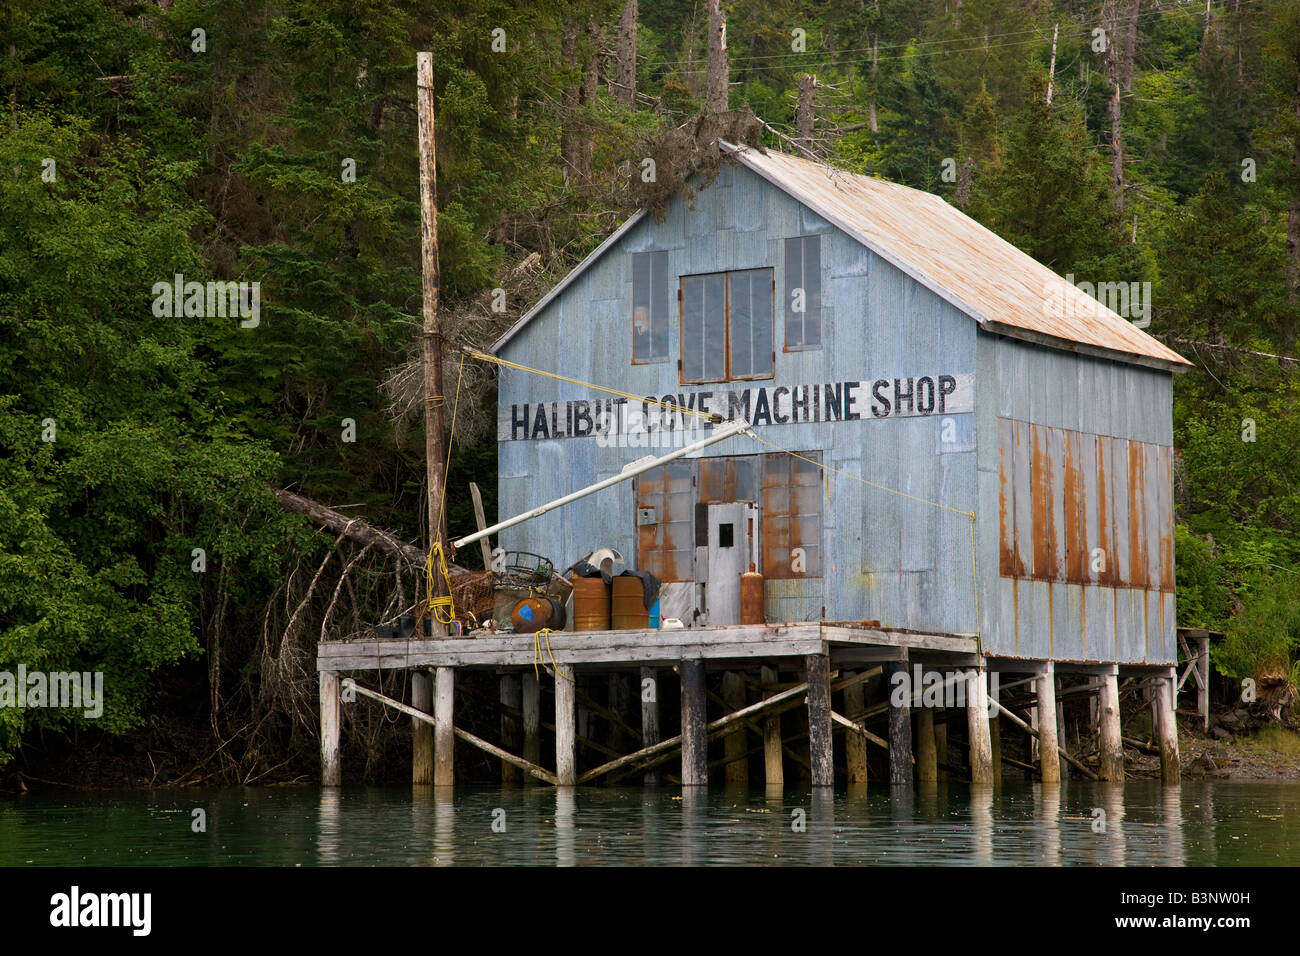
column 537, row 655
column 892, row 491
column 970, row 515
column 671, row 406
column 435, row 534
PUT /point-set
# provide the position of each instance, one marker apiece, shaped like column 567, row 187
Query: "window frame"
column 802, row 241
column 727, row 374
column 667, row 317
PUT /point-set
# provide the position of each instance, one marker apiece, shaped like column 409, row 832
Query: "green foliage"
column 1264, row 637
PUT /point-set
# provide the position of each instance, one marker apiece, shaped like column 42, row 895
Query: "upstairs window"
column 727, row 320
column 650, row 315
column 803, row 293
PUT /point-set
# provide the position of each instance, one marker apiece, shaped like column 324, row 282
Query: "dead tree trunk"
column 587, row 98
column 570, row 142
column 1293, row 236
column 716, row 101
column 804, row 116
column 1110, row 23
column 625, row 74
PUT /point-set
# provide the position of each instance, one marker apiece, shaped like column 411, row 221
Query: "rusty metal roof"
column 1004, row 289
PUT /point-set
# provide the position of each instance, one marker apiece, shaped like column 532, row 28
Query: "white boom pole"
column 721, row 433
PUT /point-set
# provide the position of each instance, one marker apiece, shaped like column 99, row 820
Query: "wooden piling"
column 331, row 771
column 1049, row 759
column 927, row 754
column 855, row 746
column 444, row 735
column 941, row 748
column 1061, row 739
column 773, row 771
column 995, row 739
column 735, row 743
column 421, row 732
column 566, row 726
column 1108, row 727
column 695, row 752
column 820, row 747
column 1203, row 685
column 620, row 709
column 532, row 719
column 1166, row 727
column 510, row 703
column 650, row 734
column 900, row 729
column 977, row 724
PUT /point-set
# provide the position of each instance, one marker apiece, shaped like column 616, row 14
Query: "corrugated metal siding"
column 942, row 247
column 869, row 332
column 885, row 557
column 1058, row 429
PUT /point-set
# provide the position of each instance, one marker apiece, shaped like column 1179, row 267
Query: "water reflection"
column 1139, row 823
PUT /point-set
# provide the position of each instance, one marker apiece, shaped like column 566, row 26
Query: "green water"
column 1210, row 823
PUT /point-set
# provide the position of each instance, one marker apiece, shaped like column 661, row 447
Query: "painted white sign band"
column 922, row 395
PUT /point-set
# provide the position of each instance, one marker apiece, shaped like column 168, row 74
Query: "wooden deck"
column 844, row 642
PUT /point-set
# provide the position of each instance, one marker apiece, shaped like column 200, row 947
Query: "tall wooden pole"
column 433, row 414
column 432, row 350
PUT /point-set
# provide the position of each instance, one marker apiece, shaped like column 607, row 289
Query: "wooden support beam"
column 649, row 694
column 900, row 730
column 1049, row 760
column 480, row 519
column 695, row 754
column 444, row 737
column 995, row 739
column 773, row 772
column 1061, row 739
column 662, row 751
column 819, row 720
column 977, row 725
column 622, row 736
column 941, row 749
column 855, row 745
column 733, row 699
column 566, row 731
column 331, row 771
column 528, row 767
column 927, row 753
column 859, row 733
column 532, row 718
column 1166, row 727
column 1203, row 685
column 421, row 732
column 1039, row 735
column 1108, row 728
column 511, row 704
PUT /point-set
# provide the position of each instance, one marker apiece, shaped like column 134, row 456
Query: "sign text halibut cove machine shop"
column 766, row 405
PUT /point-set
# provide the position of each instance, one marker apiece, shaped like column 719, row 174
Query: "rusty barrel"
column 751, row 597
column 590, row 603
column 628, row 607
column 536, row 612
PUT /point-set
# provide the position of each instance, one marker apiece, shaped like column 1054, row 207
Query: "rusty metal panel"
column 1137, row 511
column 1166, row 482
column 1024, row 497
column 1117, row 472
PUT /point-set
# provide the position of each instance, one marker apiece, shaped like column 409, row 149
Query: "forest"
column 154, row 467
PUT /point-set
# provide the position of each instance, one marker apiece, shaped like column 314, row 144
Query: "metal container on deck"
column 751, row 597
column 628, row 610
column 590, row 603
column 534, row 613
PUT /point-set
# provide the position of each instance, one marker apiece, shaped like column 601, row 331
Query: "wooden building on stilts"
column 957, row 490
